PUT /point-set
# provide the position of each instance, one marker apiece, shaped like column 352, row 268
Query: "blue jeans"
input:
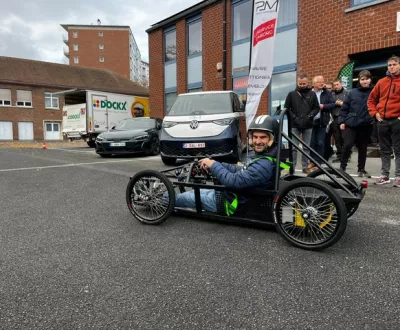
column 318, row 140
column 207, row 198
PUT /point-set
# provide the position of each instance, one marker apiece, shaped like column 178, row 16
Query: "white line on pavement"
column 83, row 151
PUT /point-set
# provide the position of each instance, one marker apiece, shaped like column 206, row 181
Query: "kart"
column 309, row 212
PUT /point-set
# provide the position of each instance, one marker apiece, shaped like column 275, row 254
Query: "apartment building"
column 145, row 74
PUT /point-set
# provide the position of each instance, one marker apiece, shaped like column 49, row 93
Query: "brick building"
column 313, row 37
column 29, row 107
column 108, row 47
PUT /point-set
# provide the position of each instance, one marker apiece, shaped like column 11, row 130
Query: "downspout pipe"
column 224, row 46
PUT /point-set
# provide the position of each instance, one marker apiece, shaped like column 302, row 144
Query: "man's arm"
column 288, row 101
column 344, row 110
column 314, row 105
column 329, row 105
column 259, row 173
column 373, row 101
column 233, row 168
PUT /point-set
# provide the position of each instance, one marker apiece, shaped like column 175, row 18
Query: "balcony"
column 65, row 39
column 66, row 52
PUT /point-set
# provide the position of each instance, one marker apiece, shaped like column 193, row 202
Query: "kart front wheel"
column 150, row 197
column 310, row 214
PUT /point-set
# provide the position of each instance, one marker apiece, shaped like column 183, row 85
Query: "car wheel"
column 154, row 149
column 168, row 160
column 91, row 144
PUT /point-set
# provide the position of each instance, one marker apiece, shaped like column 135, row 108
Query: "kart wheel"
column 320, row 175
column 150, row 197
column 310, row 214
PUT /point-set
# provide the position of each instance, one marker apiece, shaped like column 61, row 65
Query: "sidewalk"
column 39, row 144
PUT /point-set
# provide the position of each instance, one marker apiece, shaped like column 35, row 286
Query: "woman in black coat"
column 355, row 121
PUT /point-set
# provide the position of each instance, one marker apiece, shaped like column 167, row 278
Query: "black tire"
column 154, row 149
column 170, row 161
column 319, row 174
column 145, row 197
column 91, row 144
column 105, row 155
column 308, row 225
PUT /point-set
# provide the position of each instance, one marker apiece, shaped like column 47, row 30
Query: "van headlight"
column 141, row 137
column 168, row 124
column 223, row 122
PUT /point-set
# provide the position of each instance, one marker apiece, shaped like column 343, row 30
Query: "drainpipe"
column 224, row 47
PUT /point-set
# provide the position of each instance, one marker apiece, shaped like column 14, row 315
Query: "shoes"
column 336, row 160
column 396, row 182
column 307, row 170
column 382, row 180
column 364, row 174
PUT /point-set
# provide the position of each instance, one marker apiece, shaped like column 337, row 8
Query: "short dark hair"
column 365, row 73
column 337, row 80
column 303, row 76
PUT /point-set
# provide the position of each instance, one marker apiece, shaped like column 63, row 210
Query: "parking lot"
column 73, row 257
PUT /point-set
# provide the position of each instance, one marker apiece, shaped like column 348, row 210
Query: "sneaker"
column 382, row 180
column 364, row 174
column 396, row 182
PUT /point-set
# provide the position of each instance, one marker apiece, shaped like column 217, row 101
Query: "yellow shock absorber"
column 298, row 219
column 328, row 219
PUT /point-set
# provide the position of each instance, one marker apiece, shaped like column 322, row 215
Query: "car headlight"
column 223, row 122
column 168, row 124
column 141, row 137
column 100, row 138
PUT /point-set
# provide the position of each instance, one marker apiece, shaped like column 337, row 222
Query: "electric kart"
column 309, row 212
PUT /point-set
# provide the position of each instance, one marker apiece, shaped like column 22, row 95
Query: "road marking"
column 84, row 151
column 65, row 165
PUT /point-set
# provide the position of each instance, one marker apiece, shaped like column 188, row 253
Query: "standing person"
column 356, row 123
column 321, row 120
column 339, row 94
column 302, row 105
column 384, row 105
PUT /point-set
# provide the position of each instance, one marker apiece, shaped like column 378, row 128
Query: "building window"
column 24, row 98
column 242, row 20
column 195, row 37
column 76, row 59
column 76, row 47
column 5, row 97
column 287, row 17
column 170, row 46
column 50, row 101
column 169, row 101
column 101, row 59
column 101, row 33
column 194, row 90
column 75, row 34
column 360, row 2
column 281, row 85
column 101, row 46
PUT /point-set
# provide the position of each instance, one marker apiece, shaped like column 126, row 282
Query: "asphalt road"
column 73, row 257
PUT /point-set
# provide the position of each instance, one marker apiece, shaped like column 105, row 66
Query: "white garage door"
column 6, row 131
column 25, row 130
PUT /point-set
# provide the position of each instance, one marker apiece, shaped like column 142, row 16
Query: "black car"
column 133, row 135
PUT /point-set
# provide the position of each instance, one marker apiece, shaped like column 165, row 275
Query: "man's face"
column 337, row 86
column 138, row 112
column 393, row 67
column 302, row 83
column 319, row 82
column 260, row 141
column 365, row 82
column 328, row 87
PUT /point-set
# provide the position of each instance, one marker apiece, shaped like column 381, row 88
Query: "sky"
column 31, row 29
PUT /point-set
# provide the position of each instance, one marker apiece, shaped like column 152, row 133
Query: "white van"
column 203, row 124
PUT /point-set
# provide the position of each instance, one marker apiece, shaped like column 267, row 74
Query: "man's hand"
column 206, row 163
column 339, row 102
column 378, row 117
column 342, row 126
column 321, row 106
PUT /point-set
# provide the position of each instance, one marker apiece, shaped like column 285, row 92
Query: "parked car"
column 129, row 136
column 201, row 124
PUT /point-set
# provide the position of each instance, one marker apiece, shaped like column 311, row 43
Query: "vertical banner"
column 265, row 17
column 346, row 75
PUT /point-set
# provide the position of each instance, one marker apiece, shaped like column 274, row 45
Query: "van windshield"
column 201, row 104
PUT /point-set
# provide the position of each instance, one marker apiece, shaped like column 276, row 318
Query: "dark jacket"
column 385, row 97
column 340, row 95
column 354, row 111
column 328, row 101
column 303, row 106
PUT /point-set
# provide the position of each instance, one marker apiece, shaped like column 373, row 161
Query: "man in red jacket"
column 384, row 105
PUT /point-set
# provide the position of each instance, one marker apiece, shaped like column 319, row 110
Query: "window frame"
column 365, row 2
column 167, row 92
column 76, row 59
column 24, row 104
column 191, row 21
column 101, row 59
column 4, row 100
column 75, row 47
column 101, row 46
column 165, row 33
column 75, row 34
column 237, row 3
column 101, row 34
column 51, row 96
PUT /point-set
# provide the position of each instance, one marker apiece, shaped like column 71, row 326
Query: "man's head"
column 262, row 133
column 364, row 77
column 138, row 111
column 337, row 85
column 394, row 65
column 260, row 140
column 328, row 86
column 302, row 81
column 318, row 82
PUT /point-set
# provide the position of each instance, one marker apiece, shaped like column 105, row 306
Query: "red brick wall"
column 116, row 49
column 327, row 35
column 156, row 74
column 37, row 114
column 181, row 58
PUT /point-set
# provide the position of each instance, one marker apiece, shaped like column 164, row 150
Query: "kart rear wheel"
column 320, row 175
column 150, row 197
column 310, row 214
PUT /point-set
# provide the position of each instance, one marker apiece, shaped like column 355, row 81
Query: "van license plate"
column 117, row 144
column 194, row 145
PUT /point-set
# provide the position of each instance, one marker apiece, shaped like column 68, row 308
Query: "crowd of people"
column 328, row 112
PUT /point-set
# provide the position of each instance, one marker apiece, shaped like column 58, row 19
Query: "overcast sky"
column 31, row 29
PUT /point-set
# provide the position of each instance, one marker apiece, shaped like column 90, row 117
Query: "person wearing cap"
column 258, row 170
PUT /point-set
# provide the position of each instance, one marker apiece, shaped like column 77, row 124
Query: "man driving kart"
column 257, row 172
